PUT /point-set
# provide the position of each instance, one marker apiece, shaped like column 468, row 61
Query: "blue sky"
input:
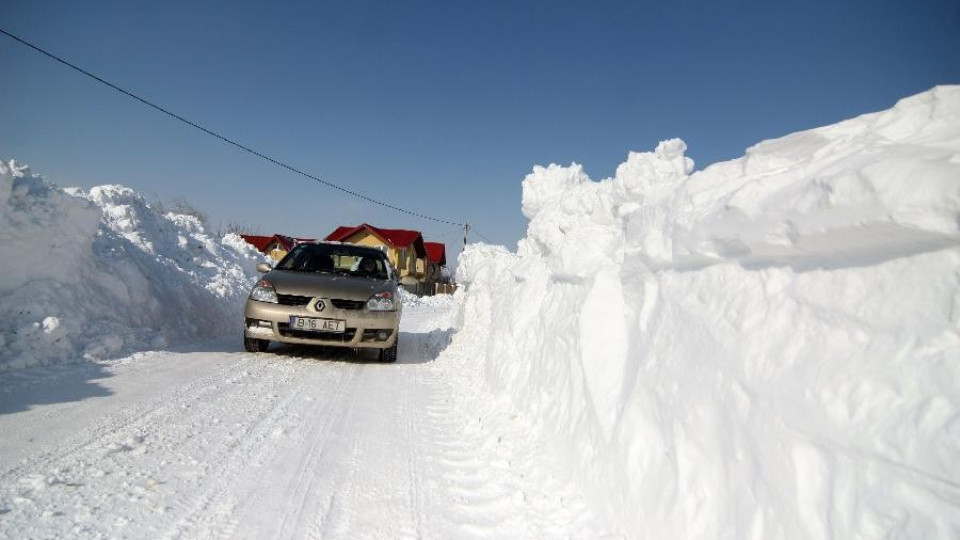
column 439, row 107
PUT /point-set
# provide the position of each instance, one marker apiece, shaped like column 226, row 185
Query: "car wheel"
column 255, row 345
column 389, row 354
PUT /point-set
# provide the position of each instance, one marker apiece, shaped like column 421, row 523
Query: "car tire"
column 255, row 345
column 389, row 355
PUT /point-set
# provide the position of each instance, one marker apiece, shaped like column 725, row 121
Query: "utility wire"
column 225, row 139
column 446, row 235
column 478, row 233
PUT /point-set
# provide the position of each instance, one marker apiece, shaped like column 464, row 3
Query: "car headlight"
column 382, row 301
column 263, row 291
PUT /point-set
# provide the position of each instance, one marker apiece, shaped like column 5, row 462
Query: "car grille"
column 295, row 300
column 343, row 337
column 292, row 300
column 348, row 304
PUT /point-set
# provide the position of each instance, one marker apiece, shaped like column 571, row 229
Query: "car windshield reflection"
column 323, row 258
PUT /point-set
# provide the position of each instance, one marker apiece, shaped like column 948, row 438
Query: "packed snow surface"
column 768, row 348
column 295, row 443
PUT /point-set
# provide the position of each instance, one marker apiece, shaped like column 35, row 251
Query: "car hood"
column 325, row 285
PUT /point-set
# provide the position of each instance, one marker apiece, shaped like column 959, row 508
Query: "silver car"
column 326, row 293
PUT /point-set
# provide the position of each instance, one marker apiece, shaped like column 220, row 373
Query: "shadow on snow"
column 415, row 348
column 23, row 389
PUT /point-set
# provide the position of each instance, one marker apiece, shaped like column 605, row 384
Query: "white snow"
column 97, row 274
column 769, row 348
column 765, row 349
column 213, row 442
column 295, row 443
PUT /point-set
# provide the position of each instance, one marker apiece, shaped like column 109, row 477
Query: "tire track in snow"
column 418, row 489
column 203, row 510
column 213, row 512
column 284, row 446
column 365, row 469
column 102, row 473
column 362, row 485
column 304, row 494
column 490, row 484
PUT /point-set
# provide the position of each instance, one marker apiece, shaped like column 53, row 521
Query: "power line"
column 482, row 237
column 446, row 235
column 474, row 229
column 225, row 139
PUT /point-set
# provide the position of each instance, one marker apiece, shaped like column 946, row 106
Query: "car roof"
column 357, row 248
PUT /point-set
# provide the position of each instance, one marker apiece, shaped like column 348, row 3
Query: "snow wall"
column 93, row 275
column 769, row 348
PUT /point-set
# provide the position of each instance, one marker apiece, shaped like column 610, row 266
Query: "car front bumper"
column 364, row 329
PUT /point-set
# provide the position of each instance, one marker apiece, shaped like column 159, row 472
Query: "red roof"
column 395, row 238
column 263, row 242
column 259, row 242
column 436, row 252
column 289, row 241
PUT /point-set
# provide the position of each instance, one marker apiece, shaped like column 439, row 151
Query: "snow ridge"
column 93, row 275
column 769, row 348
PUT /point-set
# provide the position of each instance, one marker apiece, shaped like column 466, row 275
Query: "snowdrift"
column 768, row 348
column 97, row 274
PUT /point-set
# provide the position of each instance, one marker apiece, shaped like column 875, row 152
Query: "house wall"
column 276, row 252
column 404, row 260
column 413, row 266
column 364, row 238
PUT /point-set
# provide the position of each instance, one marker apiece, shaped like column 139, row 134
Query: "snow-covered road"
column 296, row 443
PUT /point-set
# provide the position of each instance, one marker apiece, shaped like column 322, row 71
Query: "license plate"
column 317, row 325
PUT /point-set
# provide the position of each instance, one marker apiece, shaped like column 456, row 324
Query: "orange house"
column 405, row 248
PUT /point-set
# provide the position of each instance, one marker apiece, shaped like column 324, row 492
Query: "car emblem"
column 320, row 305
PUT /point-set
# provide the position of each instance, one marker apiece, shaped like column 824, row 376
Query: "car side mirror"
column 263, row 268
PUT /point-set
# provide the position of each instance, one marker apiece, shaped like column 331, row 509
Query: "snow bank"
column 99, row 273
column 438, row 300
column 769, row 348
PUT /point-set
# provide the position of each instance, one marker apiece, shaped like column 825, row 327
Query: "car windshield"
column 344, row 260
